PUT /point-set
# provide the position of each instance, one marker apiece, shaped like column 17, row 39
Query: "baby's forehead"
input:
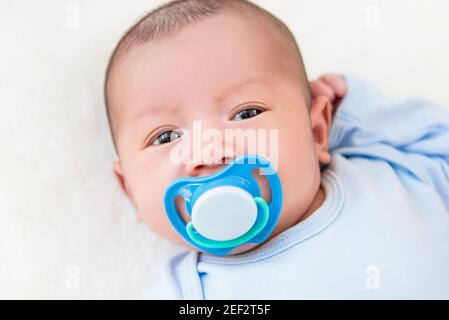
column 193, row 64
column 222, row 39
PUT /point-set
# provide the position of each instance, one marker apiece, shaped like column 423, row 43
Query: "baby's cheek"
column 152, row 205
column 148, row 187
column 154, row 216
column 298, row 173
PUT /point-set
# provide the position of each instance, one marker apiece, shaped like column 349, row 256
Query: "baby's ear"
column 321, row 120
column 118, row 173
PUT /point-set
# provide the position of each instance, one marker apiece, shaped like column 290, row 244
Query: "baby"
column 365, row 208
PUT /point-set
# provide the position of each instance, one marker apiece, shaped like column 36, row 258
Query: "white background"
column 65, row 229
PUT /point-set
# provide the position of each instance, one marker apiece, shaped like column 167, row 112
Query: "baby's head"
column 224, row 65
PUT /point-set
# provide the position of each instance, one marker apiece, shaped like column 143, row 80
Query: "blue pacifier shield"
column 226, row 208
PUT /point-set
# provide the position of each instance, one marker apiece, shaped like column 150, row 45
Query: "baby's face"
column 220, row 73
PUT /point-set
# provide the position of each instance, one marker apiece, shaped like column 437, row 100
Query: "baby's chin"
column 238, row 250
column 244, row 248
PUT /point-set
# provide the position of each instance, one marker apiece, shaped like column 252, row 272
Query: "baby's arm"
column 411, row 134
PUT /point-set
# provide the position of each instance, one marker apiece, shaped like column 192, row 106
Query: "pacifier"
column 226, row 208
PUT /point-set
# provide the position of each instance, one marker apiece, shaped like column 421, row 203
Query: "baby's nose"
column 204, row 169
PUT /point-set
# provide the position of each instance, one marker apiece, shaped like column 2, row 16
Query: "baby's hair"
column 173, row 16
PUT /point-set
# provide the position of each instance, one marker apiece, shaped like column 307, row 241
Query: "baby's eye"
column 166, row 137
column 246, row 114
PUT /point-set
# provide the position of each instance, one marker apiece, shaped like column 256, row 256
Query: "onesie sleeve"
column 411, row 134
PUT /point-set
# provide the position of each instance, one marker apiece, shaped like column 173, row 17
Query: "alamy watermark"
column 213, row 146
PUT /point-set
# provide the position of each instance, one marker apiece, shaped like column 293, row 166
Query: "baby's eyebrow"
column 155, row 110
column 234, row 88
